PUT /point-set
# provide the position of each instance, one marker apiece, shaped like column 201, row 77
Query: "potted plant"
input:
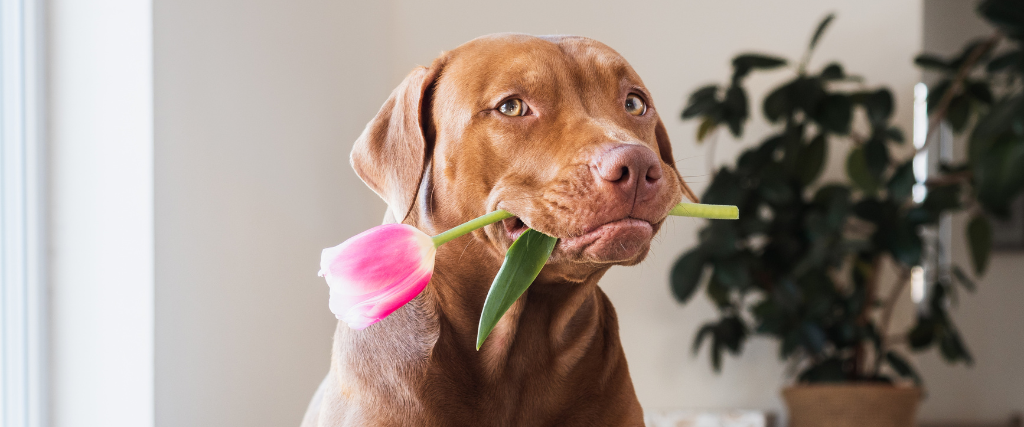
column 806, row 262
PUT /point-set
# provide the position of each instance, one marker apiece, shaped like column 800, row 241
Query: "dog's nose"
column 630, row 170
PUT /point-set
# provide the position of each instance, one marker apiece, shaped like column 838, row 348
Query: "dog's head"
column 560, row 131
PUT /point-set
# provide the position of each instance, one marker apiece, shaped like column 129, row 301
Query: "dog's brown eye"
column 635, row 105
column 513, row 107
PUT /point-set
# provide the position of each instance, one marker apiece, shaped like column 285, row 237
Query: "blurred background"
column 187, row 160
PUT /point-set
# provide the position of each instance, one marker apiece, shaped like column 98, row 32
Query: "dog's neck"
column 550, row 319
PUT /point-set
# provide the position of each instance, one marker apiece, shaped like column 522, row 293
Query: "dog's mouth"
column 623, row 240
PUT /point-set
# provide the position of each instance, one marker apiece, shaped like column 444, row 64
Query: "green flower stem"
column 470, row 225
column 698, row 210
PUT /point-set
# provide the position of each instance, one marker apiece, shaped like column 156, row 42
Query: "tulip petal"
column 375, row 272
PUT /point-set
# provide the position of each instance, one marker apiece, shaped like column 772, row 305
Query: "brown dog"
column 561, row 132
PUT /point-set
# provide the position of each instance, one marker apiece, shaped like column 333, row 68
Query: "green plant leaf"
column 779, row 103
column 979, row 234
column 742, row 64
column 735, row 109
column 876, row 156
column 933, row 62
column 942, row 198
column 707, row 330
column 718, row 293
column 1005, row 61
column 811, row 160
column 834, row 113
column 686, row 274
column 980, row 91
column 706, row 126
column 833, row 71
column 959, row 112
column 702, row 101
column 936, row 93
column 523, row 262
column 923, row 333
column 902, row 182
column 963, row 279
column 895, row 134
column 902, row 367
column 827, row 371
column 732, row 273
column 857, row 170
column 879, row 104
column 821, row 30
column 1007, row 15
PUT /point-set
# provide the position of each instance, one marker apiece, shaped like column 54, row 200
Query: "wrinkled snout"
column 628, row 173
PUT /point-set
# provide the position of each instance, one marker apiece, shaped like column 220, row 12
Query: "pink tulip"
column 379, row 270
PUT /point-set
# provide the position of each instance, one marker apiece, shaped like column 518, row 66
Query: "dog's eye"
column 513, row 107
column 635, row 105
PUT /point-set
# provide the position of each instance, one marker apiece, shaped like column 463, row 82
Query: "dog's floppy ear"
column 390, row 154
column 665, row 150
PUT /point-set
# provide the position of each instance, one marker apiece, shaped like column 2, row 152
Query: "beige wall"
column 257, row 104
column 991, row 319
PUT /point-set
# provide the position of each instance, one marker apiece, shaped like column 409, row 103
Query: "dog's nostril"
column 623, row 174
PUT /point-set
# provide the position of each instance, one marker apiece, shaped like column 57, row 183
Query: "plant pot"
column 851, row 405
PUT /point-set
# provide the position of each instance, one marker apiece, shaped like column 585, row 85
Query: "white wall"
column 257, row 104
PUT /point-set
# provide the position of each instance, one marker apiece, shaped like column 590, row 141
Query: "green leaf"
column 702, row 101
column 742, row 64
column 834, row 113
column 980, row 91
column 833, row 71
column 936, row 93
column 523, row 262
column 959, row 112
column 942, row 198
column 732, row 273
column 902, row 367
column 686, row 274
column 876, row 154
column 879, row 104
column 1005, row 61
column 1007, row 15
column 706, row 126
column 933, row 62
column 731, row 332
column 707, row 330
column 1002, row 117
column 827, row 371
column 961, row 277
column 979, row 234
column 902, row 182
column 724, row 189
column 811, row 160
column 735, row 109
column 895, row 134
column 821, row 30
column 857, row 170
column 718, row 293
column 953, row 348
column 923, row 333
column 905, row 244
column 779, row 103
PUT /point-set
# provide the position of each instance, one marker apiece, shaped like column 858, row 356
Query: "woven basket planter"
column 851, row 405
